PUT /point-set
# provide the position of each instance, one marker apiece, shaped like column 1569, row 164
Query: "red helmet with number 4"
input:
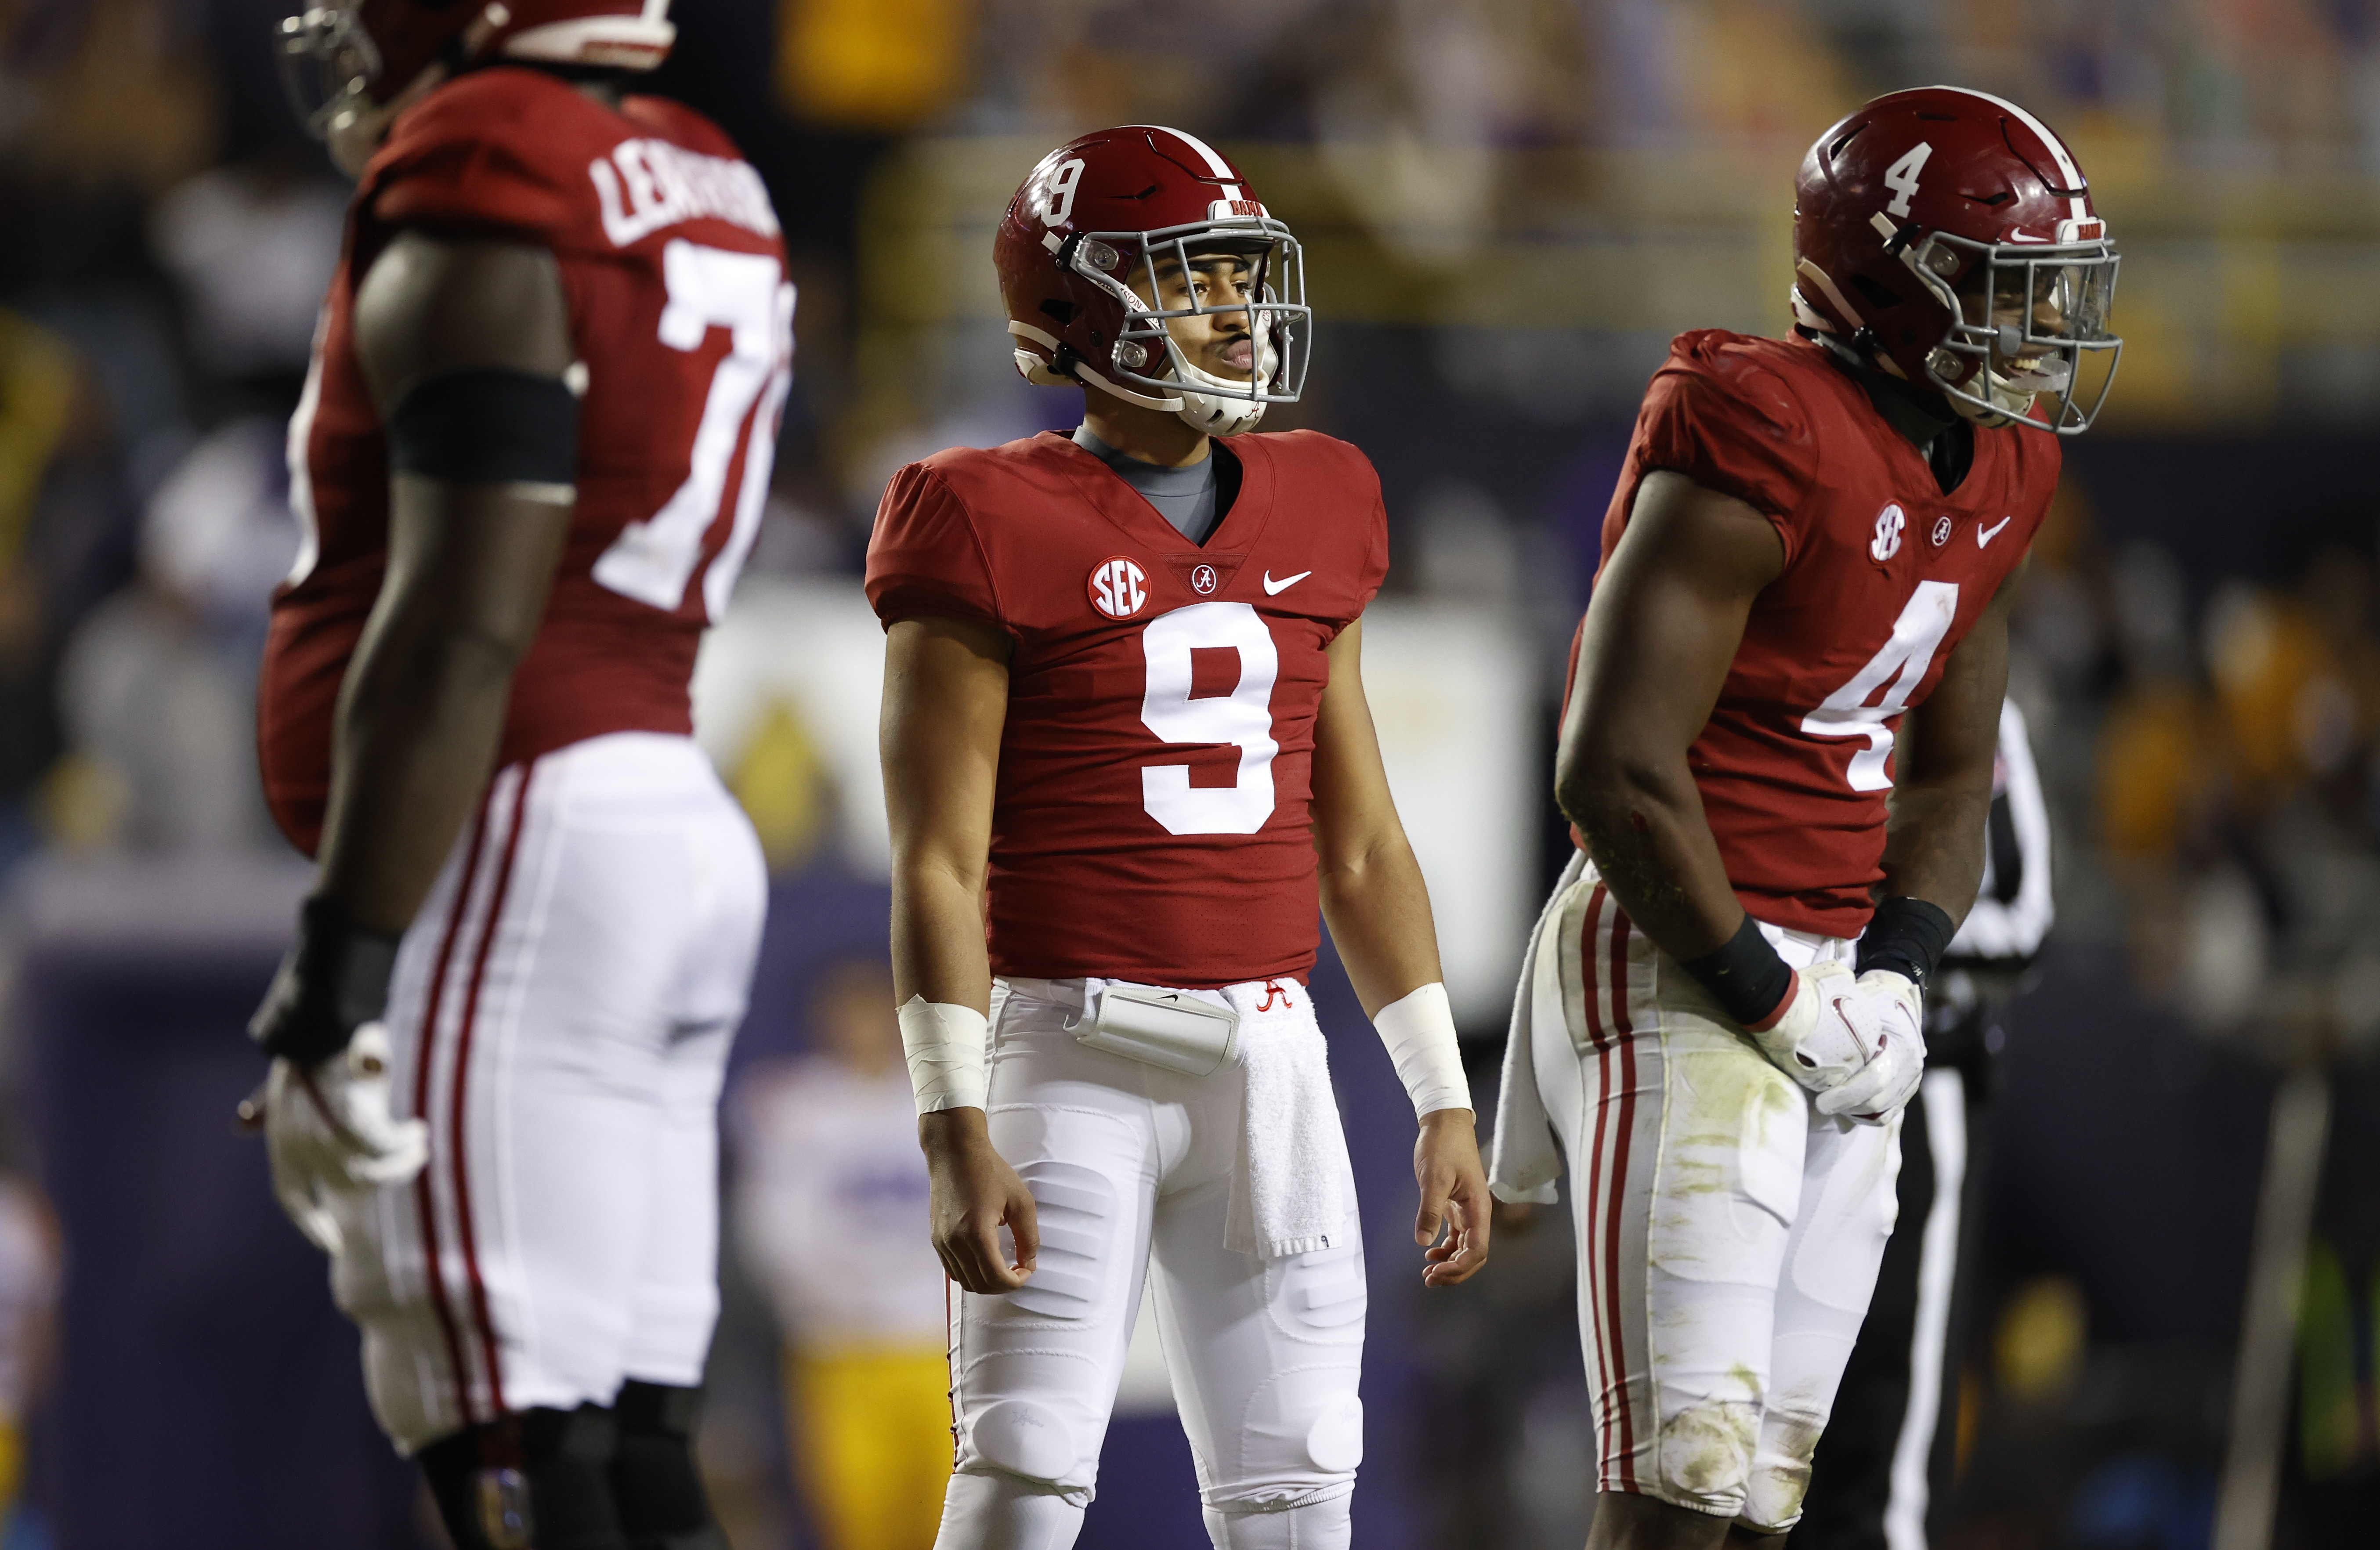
column 351, row 67
column 1096, row 253
column 1948, row 235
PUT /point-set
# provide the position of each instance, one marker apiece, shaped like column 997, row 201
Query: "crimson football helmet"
column 351, row 67
column 1948, row 235
column 1100, row 232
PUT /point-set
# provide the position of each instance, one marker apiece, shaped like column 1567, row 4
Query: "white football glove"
column 1854, row 1042
column 329, row 1131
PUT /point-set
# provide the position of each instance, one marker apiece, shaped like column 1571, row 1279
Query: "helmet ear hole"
column 1876, row 292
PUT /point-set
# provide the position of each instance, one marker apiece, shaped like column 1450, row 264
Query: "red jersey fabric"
column 1150, row 822
column 682, row 317
column 1884, row 575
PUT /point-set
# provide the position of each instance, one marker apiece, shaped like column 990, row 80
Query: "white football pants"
column 1131, row 1169
column 1728, row 1234
column 560, row 1015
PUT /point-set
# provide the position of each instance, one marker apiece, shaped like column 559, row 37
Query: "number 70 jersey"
column 680, row 318
column 1151, row 815
column 1885, row 574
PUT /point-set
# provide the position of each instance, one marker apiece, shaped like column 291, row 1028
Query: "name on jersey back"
column 645, row 185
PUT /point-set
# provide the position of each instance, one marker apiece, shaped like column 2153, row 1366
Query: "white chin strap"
column 1221, row 412
column 2012, row 394
column 1213, row 413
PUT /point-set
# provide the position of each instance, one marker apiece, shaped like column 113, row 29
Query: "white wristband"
column 1419, row 1031
column 945, row 1046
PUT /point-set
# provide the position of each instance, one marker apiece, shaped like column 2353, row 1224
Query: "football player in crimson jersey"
column 529, row 458
column 1124, row 726
column 1778, row 754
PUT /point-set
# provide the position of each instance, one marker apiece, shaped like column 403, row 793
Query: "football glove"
column 329, row 1130
column 1854, row 1042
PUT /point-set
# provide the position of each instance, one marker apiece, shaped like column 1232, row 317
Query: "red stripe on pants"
column 1603, row 1189
column 1623, row 1037
column 433, row 1271
column 462, row 1069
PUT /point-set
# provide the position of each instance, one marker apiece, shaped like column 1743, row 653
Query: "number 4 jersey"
column 1151, row 815
column 682, row 317
column 1884, row 575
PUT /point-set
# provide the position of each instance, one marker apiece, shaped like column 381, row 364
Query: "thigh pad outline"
column 1321, row 1292
column 1075, row 1208
column 1728, row 1184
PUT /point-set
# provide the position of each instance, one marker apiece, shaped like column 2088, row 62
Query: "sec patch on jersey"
column 1119, row 589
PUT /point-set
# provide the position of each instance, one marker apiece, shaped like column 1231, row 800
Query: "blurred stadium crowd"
column 1509, row 207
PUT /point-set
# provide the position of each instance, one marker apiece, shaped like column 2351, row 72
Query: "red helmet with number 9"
column 351, row 67
column 1949, row 235
column 1085, row 253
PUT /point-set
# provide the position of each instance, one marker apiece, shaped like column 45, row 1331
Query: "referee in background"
column 1891, row 1445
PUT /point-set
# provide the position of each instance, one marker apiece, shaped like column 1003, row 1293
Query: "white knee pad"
column 1319, row 1525
column 1002, row 1512
column 1704, row 1457
column 1030, row 1441
column 1299, row 1442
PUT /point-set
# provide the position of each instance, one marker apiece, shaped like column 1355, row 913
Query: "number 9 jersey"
column 1151, row 822
column 681, row 315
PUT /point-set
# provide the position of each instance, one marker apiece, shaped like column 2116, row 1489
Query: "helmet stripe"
column 2065, row 158
column 1215, row 164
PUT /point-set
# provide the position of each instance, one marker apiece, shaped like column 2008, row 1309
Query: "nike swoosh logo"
column 1986, row 535
column 1275, row 588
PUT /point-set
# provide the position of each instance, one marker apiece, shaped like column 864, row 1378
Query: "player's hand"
column 1885, row 1010
column 1854, row 1042
column 975, row 1194
column 329, row 1131
column 1454, row 1198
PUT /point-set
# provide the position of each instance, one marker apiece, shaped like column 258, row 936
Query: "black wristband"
column 1746, row 974
column 1907, row 936
column 333, row 981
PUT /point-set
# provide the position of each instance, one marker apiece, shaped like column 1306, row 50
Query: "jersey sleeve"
column 925, row 559
column 1375, row 560
column 1344, row 468
column 1730, row 426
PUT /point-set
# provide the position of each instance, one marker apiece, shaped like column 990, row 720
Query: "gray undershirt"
column 1185, row 497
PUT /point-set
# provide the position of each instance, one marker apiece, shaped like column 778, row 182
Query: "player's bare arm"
column 1378, row 909
column 469, row 564
column 1667, row 616
column 945, row 700
column 1934, row 846
column 454, row 338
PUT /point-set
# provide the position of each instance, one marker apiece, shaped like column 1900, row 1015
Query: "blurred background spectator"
column 1509, row 207
column 829, row 1190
